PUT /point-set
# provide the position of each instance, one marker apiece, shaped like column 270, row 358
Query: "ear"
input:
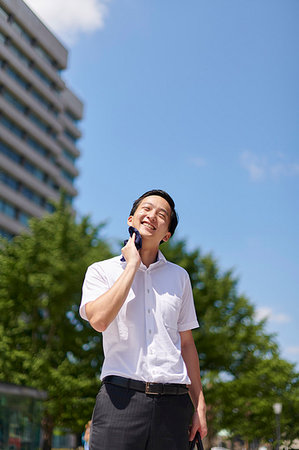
column 167, row 237
column 129, row 221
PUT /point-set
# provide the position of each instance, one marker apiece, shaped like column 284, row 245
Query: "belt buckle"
column 148, row 385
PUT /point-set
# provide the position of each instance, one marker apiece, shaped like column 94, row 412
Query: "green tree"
column 43, row 343
column 242, row 371
column 247, row 401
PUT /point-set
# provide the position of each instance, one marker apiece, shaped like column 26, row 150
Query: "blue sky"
column 200, row 99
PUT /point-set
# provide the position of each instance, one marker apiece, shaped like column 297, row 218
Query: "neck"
column 148, row 255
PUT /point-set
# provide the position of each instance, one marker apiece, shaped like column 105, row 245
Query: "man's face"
column 152, row 219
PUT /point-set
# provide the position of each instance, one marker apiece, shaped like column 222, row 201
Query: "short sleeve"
column 95, row 284
column 187, row 317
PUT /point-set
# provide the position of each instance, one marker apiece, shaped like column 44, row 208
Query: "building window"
column 34, row 170
column 37, row 121
column 17, row 77
column 14, row 184
column 70, row 136
column 21, row 31
column 2, row 38
column 23, row 218
column 70, row 178
column 27, row 61
column 4, row 14
column 20, row 133
column 42, row 76
column 14, row 101
column 11, row 126
column 52, row 184
column 44, row 102
column 69, row 156
column 38, row 147
column 12, row 212
column 7, row 151
column 42, row 176
column 7, row 179
column 49, row 207
column 20, row 55
column 6, row 234
column 7, row 209
column 26, row 85
column 32, row 196
column 45, row 56
column 71, row 116
column 31, row 116
column 53, row 159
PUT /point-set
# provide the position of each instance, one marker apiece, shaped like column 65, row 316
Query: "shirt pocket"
column 170, row 306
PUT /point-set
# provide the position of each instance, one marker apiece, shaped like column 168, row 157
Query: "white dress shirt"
column 143, row 341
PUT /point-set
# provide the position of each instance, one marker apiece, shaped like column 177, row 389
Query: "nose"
column 152, row 215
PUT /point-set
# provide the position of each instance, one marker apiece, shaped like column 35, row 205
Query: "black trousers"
column 124, row 419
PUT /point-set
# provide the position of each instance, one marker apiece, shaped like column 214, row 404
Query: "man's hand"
column 130, row 253
column 190, row 357
column 103, row 310
column 198, row 423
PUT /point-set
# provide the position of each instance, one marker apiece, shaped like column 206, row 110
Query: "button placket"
column 148, row 308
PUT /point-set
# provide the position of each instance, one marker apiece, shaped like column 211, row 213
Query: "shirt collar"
column 161, row 257
column 160, row 260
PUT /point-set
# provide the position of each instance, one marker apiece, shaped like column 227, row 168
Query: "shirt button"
column 150, row 331
column 149, row 311
column 148, row 291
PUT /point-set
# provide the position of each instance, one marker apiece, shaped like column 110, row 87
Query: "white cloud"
column 259, row 167
column 253, row 165
column 294, row 350
column 265, row 312
column 69, row 18
column 198, row 161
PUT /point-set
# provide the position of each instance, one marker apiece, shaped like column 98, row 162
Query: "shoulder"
column 106, row 271
column 106, row 265
column 177, row 270
column 172, row 268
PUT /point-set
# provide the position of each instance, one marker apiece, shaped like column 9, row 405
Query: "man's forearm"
column 102, row 311
column 190, row 356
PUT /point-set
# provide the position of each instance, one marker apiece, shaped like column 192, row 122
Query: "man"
column 144, row 308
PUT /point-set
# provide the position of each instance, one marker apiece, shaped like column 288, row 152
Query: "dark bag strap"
column 196, row 442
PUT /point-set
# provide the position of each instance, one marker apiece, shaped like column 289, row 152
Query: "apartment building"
column 39, row 119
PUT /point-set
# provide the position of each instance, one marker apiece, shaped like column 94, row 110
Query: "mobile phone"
column 138, row 239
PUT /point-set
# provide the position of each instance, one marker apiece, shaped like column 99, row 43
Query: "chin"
column 145, row 235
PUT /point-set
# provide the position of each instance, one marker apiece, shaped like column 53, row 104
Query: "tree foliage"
column 43, row 343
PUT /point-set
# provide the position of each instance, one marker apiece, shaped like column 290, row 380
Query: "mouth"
column 148, row 225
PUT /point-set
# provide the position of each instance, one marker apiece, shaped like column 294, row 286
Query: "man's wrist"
column 133, row 265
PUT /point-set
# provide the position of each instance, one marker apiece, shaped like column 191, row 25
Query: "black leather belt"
column 147, row 387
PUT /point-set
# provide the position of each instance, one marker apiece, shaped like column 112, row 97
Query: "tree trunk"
column 47, row 430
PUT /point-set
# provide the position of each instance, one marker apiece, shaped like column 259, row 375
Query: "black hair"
column 173, row 216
